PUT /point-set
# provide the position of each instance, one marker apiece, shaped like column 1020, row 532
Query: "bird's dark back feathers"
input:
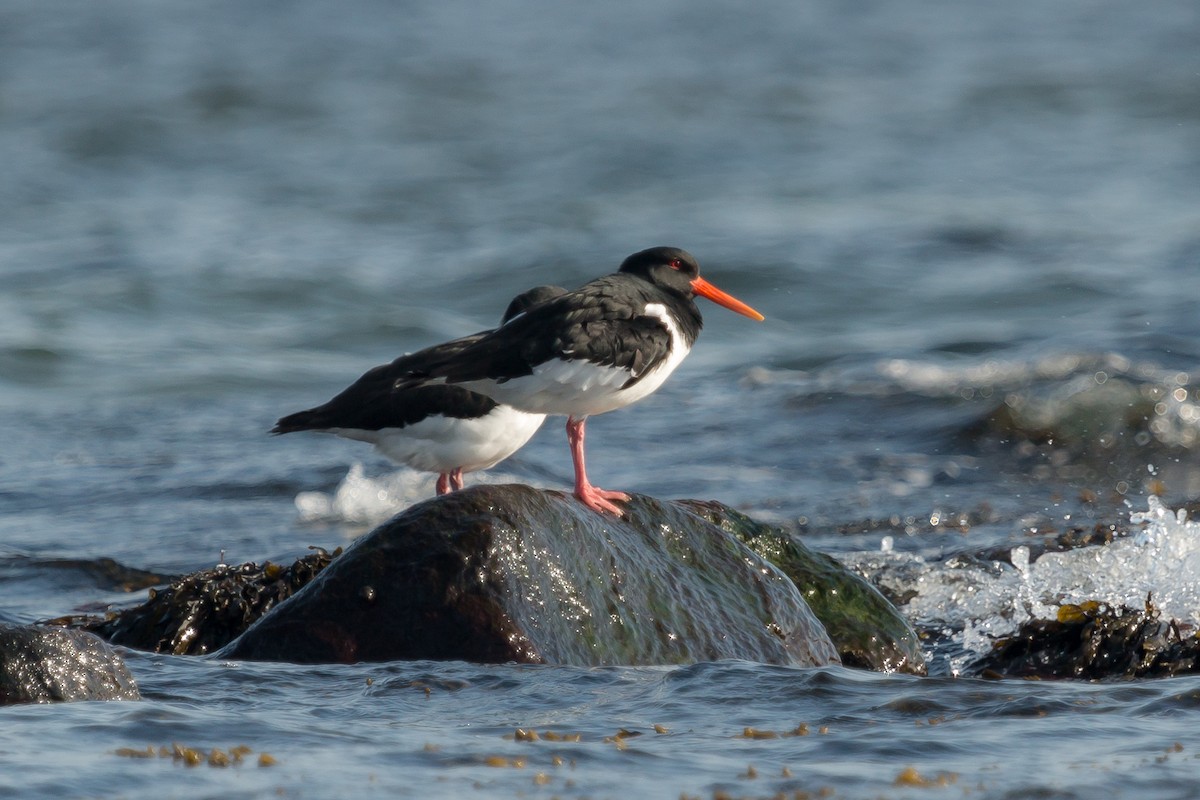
column 603, row 321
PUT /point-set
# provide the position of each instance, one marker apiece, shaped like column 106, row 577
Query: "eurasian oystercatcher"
column 433, row 428
column 599, row 348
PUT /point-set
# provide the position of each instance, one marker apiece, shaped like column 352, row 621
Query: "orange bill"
column 706, row 289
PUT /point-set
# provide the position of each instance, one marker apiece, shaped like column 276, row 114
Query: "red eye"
column 675, row 263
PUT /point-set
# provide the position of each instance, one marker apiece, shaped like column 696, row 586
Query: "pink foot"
column 443, row 483
column 595, row 499
column 598, row 499
column 456, row 481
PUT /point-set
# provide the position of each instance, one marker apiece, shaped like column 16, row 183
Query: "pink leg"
column 443, row 483
column 456, row 481
column 593, row 498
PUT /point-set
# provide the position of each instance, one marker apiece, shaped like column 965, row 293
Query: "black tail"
column 300, row 421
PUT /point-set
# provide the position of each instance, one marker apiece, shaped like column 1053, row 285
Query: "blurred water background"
column 975, row 233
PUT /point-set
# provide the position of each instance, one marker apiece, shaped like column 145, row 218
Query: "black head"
column 527, row 300
column 676, row 271
column 668, row 268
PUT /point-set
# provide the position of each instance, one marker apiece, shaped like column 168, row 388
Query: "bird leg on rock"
column 451, row 481
column 592, row 497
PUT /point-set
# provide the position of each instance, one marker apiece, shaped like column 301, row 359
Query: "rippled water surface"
column 973, row 231
column 450, row 730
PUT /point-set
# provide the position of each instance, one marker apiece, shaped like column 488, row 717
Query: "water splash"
column 363, row 500
column 976, row 602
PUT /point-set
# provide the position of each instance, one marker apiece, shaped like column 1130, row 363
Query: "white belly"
column 442, row 444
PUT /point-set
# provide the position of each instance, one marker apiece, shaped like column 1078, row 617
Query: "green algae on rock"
column 510, row 573
column 867, row 630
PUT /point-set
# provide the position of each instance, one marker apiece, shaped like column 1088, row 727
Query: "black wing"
column 387, row 397
column 374, row 401
column 603, row 322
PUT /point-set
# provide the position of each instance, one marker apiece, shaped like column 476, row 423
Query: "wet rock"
column 203, row 612
column 41, row 664
column 1095, row 641
column 867, row 630
column 510, row 573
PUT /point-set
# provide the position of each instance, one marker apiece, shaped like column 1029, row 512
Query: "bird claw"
column 599, row 500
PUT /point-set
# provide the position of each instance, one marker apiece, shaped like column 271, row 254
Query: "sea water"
column 972, row 229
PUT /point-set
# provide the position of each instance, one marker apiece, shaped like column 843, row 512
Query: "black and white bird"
column 601, row 347
column 430, row 427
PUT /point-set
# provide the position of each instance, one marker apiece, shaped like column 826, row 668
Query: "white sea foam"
column 978, row 602
column 360, row 499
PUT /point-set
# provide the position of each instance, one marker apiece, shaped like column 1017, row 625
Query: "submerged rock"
column 867, row 630
column 105, row 572
column 41, row 664
column 510, row 573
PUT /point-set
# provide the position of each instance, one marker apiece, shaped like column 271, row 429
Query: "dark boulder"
column 510, row 573
column 43, row 664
